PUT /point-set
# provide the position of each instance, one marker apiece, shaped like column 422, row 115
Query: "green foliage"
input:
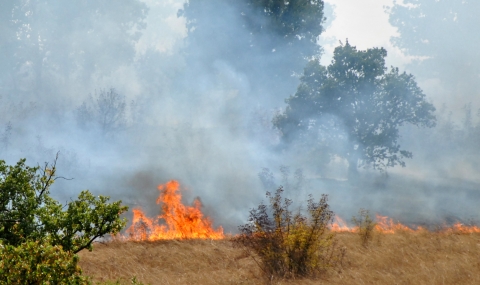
column 365, row 226
column 354, row 108
column 289, row 244
column 38, row 262
column 27, row 212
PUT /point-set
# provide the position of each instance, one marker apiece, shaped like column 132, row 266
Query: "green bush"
column 365, row 226
column 39, row 237
column 27, row 212
column 289, row 244
column 36, row 262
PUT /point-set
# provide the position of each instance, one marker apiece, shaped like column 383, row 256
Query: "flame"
column 180, row 221
column 462, row 229
column 339, row 225
column 387, row 225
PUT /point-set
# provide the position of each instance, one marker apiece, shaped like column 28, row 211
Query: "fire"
column 179, row 221
column 387, row 225
column 462, row 229
column 339, row 225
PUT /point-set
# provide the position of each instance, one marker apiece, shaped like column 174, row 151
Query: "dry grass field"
column 400, row 258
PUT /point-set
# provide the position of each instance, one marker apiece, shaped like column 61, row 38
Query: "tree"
column 105, row 111
column 27, row 212
column 354, row 108
column 266, row 40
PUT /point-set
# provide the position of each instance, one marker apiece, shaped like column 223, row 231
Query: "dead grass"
column 402, row 258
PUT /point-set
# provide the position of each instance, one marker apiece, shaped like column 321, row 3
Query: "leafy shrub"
column 37, row 262
column 27, row 212
column 365, row 226
column 289, row 244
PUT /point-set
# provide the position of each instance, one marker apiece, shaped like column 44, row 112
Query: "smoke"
column 196, row 109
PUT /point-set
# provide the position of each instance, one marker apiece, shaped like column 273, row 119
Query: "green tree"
column 27, row 212
column 354, row 108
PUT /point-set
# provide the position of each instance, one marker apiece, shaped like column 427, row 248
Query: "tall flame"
column 180, row 221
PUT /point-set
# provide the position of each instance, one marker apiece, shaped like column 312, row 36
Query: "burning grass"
column 185, row 249
column 403, row 257
column 179, row 221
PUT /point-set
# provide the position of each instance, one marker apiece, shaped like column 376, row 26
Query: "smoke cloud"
column 130, row 98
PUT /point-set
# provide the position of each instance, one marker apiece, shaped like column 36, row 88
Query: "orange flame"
column 339, row 225
column 462, row 229
column 180, row 221
column 387, row 225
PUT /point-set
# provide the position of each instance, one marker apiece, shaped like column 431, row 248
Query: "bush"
column 36, row 262
column 289, row 244
column 27, row 212
column 365, row 226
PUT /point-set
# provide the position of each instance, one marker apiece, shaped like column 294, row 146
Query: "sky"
column 365, row 25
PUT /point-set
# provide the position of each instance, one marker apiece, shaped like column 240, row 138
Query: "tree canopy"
column 354, row 107
column 266, row 40
column 27, row 212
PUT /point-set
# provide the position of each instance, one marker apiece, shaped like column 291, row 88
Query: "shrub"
column 289, row 244
column 37, row 262
column 365, row 226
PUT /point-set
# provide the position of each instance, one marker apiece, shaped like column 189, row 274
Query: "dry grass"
column 402, row 258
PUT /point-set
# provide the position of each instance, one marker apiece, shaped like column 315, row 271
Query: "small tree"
column 365, row 226
column 289, row 244
column 105, row 110
column 27, row 212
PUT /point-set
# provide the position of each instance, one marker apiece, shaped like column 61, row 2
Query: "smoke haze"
column 131, row 98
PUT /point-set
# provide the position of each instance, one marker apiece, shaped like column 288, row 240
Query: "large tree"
column 354, row 108
column 266, row 40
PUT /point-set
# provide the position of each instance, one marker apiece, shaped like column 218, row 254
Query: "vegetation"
column 289, row 244
column 365, row 226
column 105, row 111
column 353, row 108
column 39, row 262
column 402, row 258
column 38, row 236
column 27, row 212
